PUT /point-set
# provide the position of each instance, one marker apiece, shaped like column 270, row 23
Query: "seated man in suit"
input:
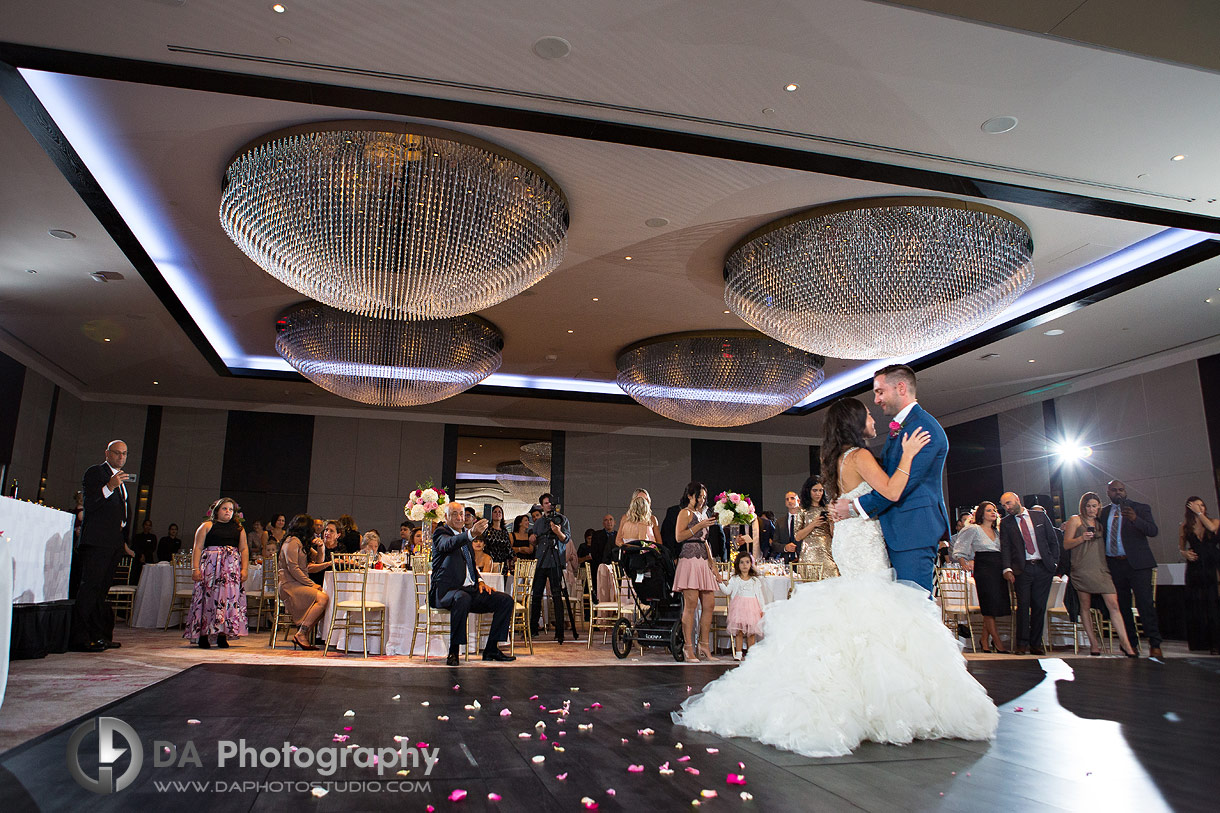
column 1029, row 554
column 457, row 587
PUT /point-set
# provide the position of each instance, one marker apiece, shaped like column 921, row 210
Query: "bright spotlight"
column 1070, row 450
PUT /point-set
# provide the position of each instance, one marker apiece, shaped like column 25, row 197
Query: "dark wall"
column 12, row 381
column 266, row 463
column 973, row 468
column 724, row 465
column 1209, row 380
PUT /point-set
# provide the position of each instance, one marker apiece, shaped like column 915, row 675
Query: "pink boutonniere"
column 895, row 428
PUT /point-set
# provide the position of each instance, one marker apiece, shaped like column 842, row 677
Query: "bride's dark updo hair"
column 844, row 428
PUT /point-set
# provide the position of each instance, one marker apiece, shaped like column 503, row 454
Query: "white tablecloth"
column 41, row 551
column 156, row 590
column 397, row 591
column 6, row 607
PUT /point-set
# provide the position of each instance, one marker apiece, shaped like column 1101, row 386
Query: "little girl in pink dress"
column 748, row 597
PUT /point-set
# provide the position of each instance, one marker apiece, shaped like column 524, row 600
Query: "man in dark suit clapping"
column 102, row 544
column 457, row 587
column 1029, row 554
column 1126, row 526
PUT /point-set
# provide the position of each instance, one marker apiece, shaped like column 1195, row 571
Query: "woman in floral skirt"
column 219, row 562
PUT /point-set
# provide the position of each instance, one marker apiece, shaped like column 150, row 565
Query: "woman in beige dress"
column 305, row 601
column 695, row 575
column 814, row 532
column 1090, row 575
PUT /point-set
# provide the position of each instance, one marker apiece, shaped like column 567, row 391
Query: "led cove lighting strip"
column 75, row 113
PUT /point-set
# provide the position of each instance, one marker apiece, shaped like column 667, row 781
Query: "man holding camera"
column 549, row 534
column 1126, row 526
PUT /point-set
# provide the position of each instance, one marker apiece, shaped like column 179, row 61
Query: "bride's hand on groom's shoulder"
column 916, row 440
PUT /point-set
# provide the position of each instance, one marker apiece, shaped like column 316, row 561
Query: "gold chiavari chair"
column 605, row 614
column 184, row 587
column 360, row 615
column 122, row 594
column 1059, row 613
column 264, row 598
column 279, row 613
column 953, row 595
column 426, row 615
column 522, row 590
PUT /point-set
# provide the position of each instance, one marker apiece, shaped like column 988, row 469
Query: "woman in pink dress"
column 219, row 561
column 695, row 575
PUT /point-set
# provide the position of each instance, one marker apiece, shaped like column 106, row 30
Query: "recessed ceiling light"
column 595, row 299
column 1031, row 361
column 628, row 257
column 62, row 234
column 768, row 111
column 1210, row 299
column 156, row 382
column 1178, row 157
column 792, row 87
column 552, row 47
column 278, row 8
column 106, row 339
column 726, row 311
column 1054, row 332
column 31, row 270
column 999, row 124
column 569, row 331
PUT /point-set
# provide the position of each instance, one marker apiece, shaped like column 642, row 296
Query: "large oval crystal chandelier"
column 880, row 277
column 537, row 457
column 387, row 362
column 726, row 378
column 394, row 221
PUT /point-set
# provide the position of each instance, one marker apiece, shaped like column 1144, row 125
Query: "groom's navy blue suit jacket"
column 918, row 519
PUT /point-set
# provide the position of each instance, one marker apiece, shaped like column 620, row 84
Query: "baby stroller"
column 658, row 614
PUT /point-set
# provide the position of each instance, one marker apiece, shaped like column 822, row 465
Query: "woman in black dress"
column 977, row 548
column 1199, row 544
column 497, row 541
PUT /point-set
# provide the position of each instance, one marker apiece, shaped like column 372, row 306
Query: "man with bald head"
column 1126, row 526
column 102, row 544
column 1029, row 554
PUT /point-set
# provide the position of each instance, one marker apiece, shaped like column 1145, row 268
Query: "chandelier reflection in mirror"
column 387, row 362
column 880, row 277
column 521, row 483
column 537, row 457
column 725, row 378
column 394, row 221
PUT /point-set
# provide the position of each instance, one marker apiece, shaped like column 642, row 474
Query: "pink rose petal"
column 561, row 776
column 495, row 697
column 609, row 791
column 430, row 809
column 635, row 768
column 457, row 796
column 533, row 697
column 708, row 794
column 684, row 759
column 493, row 797
column 421, row 745
column 505, row 713
column 457, row 686
column 588, row 803
column 596, row 705
column 713, row 750
column 347, row 728
column 692, row 771
column 735, row 779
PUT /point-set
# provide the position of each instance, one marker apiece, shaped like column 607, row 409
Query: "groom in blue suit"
column 914, row 525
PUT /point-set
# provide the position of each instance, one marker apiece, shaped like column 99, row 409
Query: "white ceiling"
column 880, row 82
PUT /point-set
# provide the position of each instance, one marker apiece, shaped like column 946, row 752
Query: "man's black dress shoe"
column 497, row 655
column 1037, row 650
column 91, row 646
column 111, row 644
column 452, row 660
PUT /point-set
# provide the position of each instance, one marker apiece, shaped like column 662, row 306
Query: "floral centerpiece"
column 732, row 508
column 426, row 504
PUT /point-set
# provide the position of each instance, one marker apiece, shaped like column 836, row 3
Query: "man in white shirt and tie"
column 787, row 527
column 102, row 544
column 1029, row 554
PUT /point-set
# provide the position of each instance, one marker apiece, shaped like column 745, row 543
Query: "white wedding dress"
column 859, row 657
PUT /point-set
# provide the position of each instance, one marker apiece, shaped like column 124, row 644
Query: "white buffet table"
column 41, row 540
column 156, row 590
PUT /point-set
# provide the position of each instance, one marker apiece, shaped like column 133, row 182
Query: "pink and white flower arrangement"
column 732, row 508
column 426, row 504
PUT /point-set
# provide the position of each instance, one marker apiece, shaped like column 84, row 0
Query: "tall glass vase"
column 427, row 525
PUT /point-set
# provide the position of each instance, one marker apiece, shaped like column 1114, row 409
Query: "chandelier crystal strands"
column 394, row 221
column 520, row 482
column 387, row 362
column 537, row 457
column 722, row 378
column 879, row 277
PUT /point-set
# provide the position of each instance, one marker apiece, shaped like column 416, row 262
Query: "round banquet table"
column 156, row 589
column 396, row 590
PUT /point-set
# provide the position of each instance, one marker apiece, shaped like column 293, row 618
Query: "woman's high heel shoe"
column 704, row 655
column 689, row 655
column 297, row 642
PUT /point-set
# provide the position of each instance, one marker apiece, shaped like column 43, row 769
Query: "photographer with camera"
column 1126, row 526
column 549, row 535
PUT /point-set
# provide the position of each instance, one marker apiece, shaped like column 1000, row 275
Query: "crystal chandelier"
column 520, row 482
column 880, row 277
column 726, row 378
column 537, row 457
column 387, row 362
column 394, row 221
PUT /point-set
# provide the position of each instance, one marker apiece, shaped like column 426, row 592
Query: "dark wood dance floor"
column 1098, row 734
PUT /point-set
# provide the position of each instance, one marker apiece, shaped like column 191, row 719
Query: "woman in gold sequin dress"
column 814, row 533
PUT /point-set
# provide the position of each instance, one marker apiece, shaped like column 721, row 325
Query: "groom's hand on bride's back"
column 841, row 509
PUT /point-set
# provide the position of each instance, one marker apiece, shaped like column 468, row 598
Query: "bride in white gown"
column 859, row 657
